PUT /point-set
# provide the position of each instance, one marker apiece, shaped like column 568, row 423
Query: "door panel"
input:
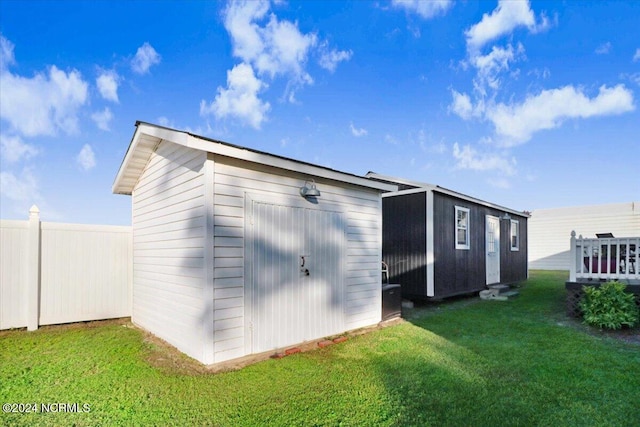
column 492, row 249
column 324, row 243
column 276, row 246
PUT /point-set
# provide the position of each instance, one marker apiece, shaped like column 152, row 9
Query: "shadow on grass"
column 473, row 362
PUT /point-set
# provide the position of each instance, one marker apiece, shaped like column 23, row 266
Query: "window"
column 462, row 228
column 515, row 235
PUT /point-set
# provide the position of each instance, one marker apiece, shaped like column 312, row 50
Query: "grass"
column 466, row 362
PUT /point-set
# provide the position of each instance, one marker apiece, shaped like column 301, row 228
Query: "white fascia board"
column 158, row 133
column 129, row 172
column 284, row 163
column 405, row 192
column 404, row 181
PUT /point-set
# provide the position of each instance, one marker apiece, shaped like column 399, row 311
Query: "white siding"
column 13, row 273
column 549, row 230
column 168, row 242
column 235, row 178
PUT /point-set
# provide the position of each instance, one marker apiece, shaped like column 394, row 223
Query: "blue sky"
column 525, row 104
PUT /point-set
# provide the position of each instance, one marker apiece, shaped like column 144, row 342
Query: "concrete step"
column 499, row 288
column 510, row 294
column 497, row 294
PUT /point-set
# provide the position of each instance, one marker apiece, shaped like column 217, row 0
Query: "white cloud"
column 277, row 48
column 636, row 56
column 503, row 20
column 426, row 9
column 492, row 64
column 240, row 99
column 107, row 83
column 269, row 48
column 547, row 110
column 603, row 49
column 146, row 56
column 357, row 132
column 246, row 35
column 633, row 77
column 391, row 139
column 43, row 104
column 469, row 158
column 329, row 59
column 6, row 53
column 545, row 73
column 102, row 118
column 163, row 121
column 462, row 105
column 22, row 188
column 20, row 191
column 86, row 158
column 14, row 149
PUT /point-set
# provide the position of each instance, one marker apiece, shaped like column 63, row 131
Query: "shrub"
column 609, row 306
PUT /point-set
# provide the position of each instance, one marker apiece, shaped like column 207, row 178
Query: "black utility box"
column 391, row 301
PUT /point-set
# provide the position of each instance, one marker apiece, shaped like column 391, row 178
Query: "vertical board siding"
column 404, row 242
column 514, row 265
column 235, row 178
column 168, row 216
column 550, row 230
column 13, row 274
column 459, row 271
column 85, row 273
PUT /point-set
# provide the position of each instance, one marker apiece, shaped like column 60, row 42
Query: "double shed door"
column 297, row 274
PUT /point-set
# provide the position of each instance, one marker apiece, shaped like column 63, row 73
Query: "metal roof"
column 422, row 186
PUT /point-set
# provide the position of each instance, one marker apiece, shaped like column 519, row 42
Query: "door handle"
column 301, row 260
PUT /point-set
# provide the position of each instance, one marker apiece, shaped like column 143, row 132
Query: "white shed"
column 231, row 259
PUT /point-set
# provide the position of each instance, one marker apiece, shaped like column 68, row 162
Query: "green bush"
column 609, row 306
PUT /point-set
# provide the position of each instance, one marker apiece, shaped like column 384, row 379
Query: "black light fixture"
column 309, row 189
column 505, row 217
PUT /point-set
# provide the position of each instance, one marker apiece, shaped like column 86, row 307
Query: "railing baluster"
column 594, row 259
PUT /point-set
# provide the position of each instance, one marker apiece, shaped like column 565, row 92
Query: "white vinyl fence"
column 53, row 273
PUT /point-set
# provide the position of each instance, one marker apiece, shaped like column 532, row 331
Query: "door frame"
column 489, row 280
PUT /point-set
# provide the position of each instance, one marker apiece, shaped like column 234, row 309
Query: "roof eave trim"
column 220, row 148
column 421, row 186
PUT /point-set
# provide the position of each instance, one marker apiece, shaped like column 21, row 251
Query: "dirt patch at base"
column 169, row 359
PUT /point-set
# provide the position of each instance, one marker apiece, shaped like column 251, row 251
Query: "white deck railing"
column 605, row 258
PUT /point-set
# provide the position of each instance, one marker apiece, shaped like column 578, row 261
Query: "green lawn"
column 466, row 362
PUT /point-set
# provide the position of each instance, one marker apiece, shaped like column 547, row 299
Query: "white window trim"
column 517, row 246
column 468, row 234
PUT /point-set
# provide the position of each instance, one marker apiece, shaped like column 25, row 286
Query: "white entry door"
column 492, row 249
column 297, row 284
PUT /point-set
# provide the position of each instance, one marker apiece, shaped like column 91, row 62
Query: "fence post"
column 572, row 257
column 33, row 269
